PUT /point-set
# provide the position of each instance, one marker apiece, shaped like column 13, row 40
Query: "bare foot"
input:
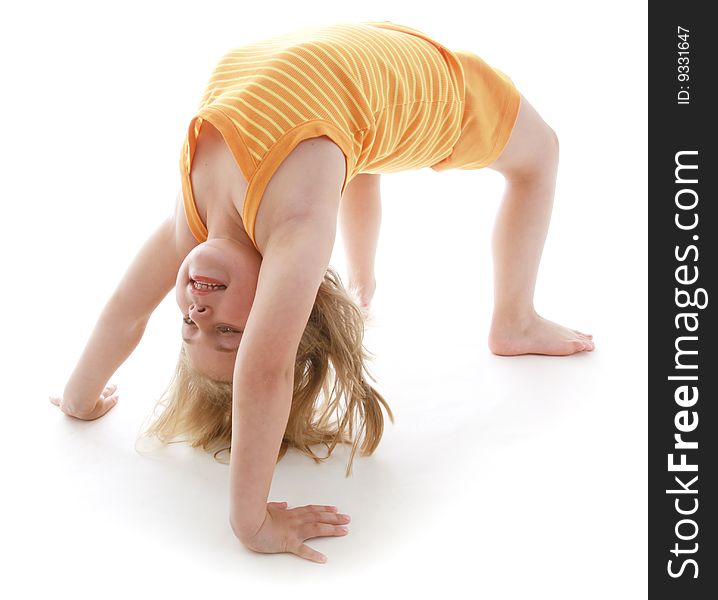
column 536, row 335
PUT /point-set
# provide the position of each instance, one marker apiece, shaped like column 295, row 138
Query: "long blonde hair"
column 331, row 359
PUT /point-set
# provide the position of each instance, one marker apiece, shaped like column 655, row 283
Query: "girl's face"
column 214, row 317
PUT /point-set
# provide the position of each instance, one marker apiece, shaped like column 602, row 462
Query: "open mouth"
column 200, row 285
column 202, row 282
column 200, row 288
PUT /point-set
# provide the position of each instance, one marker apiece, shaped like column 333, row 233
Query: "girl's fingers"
column 326, row 517
column 310, row 554
column 312, row 530
column 109, row 403
column 316, row 508
column 109, row 390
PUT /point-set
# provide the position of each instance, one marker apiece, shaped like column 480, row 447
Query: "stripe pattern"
column 390, row 97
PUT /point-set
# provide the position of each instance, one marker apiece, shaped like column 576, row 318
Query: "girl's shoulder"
column 303, row 185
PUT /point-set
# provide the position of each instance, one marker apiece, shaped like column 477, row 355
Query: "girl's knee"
column 551, row 146
column 532, row 147
column 552, row 140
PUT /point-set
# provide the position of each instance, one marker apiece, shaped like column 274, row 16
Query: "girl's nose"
column 197, row 312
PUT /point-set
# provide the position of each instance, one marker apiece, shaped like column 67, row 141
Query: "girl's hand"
column 95, row 410
column 284, row 530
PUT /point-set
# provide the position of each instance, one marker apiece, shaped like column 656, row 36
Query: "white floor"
column 502, row 478
column 520, row 477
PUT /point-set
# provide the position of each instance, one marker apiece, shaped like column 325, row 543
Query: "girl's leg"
column 360, row 221
column 529, row 163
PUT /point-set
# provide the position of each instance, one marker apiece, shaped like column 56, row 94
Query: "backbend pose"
column 290, row 139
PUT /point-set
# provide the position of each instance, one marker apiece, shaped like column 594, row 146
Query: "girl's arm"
column 293, row 266
column 150, row 276
column 360, row 222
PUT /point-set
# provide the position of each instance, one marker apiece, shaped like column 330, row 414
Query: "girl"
column 289, row 139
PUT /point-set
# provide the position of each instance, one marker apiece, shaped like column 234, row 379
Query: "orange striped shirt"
column 388, row 95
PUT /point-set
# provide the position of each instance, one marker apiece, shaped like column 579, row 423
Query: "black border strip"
column 682, row 363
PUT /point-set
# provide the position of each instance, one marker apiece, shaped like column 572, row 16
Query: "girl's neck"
column 219, row 187
column 225, row 221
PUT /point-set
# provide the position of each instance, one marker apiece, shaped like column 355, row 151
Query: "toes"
column 582, row 346
column 578, row 346
column 586, row 335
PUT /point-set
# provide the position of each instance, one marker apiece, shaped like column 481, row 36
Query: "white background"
column 502, row 477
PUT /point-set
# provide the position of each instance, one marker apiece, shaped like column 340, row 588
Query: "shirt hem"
column 258, row 176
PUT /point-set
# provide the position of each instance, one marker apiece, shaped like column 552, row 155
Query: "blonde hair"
column 331, row 359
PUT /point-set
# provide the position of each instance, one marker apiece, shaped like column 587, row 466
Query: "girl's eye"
column 221, row 328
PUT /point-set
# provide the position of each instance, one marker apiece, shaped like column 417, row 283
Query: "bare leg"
column 529, row 162
column 360, row 221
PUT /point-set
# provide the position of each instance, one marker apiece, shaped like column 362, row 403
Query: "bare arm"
column 294, row 262
column 122, row 322
column 360, row 221
column 292, row 269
